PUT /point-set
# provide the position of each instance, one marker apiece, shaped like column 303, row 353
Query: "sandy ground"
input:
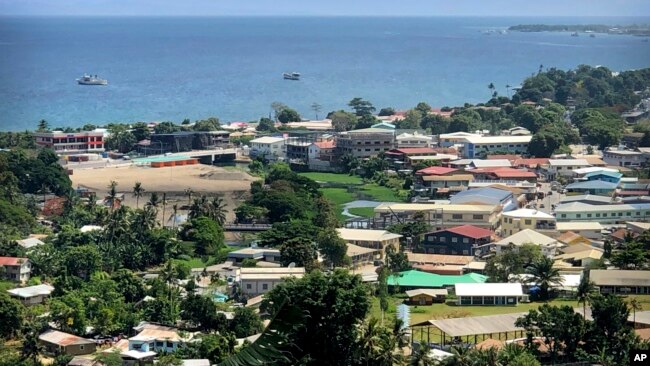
column 232, row 185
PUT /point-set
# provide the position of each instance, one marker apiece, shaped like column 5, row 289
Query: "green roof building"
column 418, row 279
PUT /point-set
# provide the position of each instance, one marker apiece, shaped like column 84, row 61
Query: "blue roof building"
column 384, row 125
column 599, row 187
column 612, row 177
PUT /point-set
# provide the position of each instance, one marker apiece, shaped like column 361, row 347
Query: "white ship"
column 291, row 75
column 91, row 80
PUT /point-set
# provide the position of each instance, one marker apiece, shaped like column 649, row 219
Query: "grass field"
column 362, row 211
column 339, row 196
column 332, row 178
column 379, row 193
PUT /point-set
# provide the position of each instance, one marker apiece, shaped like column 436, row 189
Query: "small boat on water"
column 291, row 75
column 91, row 80
column 574, row 34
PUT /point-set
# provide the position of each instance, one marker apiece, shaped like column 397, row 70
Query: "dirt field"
column 232, row 185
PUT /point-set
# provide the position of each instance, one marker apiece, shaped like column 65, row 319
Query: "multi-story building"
column 479, row 146
column 374, row 239
column 454, row 138
column 71, row 142
column 525, row 218
column 616, row 213
column 256, row 281
column 270, row 148
column 438, row 216
column 406, row 140
column 365, row 142
column 622, row 157
column 459, row 240
column 564, row 167
column 16, row 268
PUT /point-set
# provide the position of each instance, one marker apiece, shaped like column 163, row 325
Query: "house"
column 505, row 174
column 258, row 254
column 571, row 238
column 384, row 125
column 56, row 342
column 256, row 281
column 156, row 338
column 621, row 281
column 591, row 230
column 517, row 131
column 605, row 176
column 436, row 170
column 489, row 293
column 490, row 163
column 84, row 361
column 532, row 163
column 588, row 198
column 615, row 213
column 548, row 245
column 361, row 255
column 579, row 255
column 525, row 218
column 623, row 157
column 321, row 155
column 413, row 140
column 439, row 216
column 581, row 172
column 365, row 142
column 297, row 149
column 373, row 239
column 269, row 148
column 71, row 142
column 401, row 156
column 443, row 159
column 478, row 146
column 637, row 227
column 31, row 295
column 415, row 279
column 597, row 187
column 465, row 240
column 16, row 268
column 564, row 167
column 485, row 196
column 444, row 183
column 426, row 296
column 441, row 264
column 29, row 243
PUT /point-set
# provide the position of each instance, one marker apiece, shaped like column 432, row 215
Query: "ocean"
column 231, row 67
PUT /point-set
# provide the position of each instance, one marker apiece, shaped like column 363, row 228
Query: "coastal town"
column 515, row 230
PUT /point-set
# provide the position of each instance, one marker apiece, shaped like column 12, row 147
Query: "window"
column 597, row 215
column 249, row 286
column 457, row 217
column 578, row 216
column 454, row 240
column 265, row 286
column 620, row 214
column 604, row 215
column 477, row 217
column 465, row 240
column 160, row 344
column 465, row 252
column 588, row 215
column 81, row 347
column 442, row 239
column 527, row 222
column 628, row 214
column 563, row 215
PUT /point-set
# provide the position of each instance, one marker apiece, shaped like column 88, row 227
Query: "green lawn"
column 379, row 193
column 193, row 262
column 332, row 178
column 362, row 211
column 339, row 196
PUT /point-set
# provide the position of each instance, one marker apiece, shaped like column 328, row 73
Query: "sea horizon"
column 163, row 67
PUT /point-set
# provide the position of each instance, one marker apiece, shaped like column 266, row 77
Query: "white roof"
column 267, row 140
column 434, row 157
column 445, row 208
column 489, row 289
column 479, row 163
column 458, row 134
column 138, row 355
column 366, row 235
column 528, row 213
column 568, row 162
column 29, row 242
column 498, row 139
column 31, row 291
column 87, row 228
column 584, row 207
column 577, row 226
column 439, row 355
column 527, row 236
column 427, row 291
column 593, row 169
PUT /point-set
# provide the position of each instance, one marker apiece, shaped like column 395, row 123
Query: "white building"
column 31, row 295
column 413, row 140
column 588, row 229
column 604, row 214
column 256, row 281
column 489, row 293
column 565, row 167
column 454, row 138
column 271, row 148
column 477, row 146
column 548, row 245
column 622, row 157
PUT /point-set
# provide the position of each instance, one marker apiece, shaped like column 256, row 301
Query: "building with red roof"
column 460, row 240
column 501, row 173
column 16, row 268
column 436, row 170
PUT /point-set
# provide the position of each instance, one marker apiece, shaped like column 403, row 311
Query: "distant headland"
column 642, row 30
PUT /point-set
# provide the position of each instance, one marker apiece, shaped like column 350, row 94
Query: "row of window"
column 460, row 217
column 499, row 146
column 613, row 214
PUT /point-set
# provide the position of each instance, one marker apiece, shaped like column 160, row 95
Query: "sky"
column 327, row 7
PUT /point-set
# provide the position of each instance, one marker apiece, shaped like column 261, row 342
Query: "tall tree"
column 361, row 107
column 333, row 248
column 544, row 275
column 43, row 126
column 111, row 198
column 138, row 191
column 584, row 291
column 316, row 108
column 301, row 251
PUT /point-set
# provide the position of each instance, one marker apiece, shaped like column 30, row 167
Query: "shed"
column 489, row 293
column 56, row 342
column 426, row 296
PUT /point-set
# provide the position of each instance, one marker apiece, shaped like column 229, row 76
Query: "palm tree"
column 111, row 198
column 164, row 205
column 316, row 108
column 138, row 191
column 510, row 352
column 492, row 88
column 584, row 291
column 422, row 357
column 635, row 305
column 43, row 126
column 217, row 210
column 508, row 86
column 154, row 201
column 199, row 207
column 189, row 192
column 544, row 275
column 174, row 212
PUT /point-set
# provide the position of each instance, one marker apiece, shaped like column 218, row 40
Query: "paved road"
column 550, row 200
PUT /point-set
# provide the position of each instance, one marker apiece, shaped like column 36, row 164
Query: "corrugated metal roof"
column 421, row 279
column 62, row 339
column 489, row 289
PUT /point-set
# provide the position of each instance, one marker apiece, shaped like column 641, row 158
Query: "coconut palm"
column 154, row 201
column 164, row 205
column 189, row 192
column 174, row 213
column 138, row 191
column 422, row 357
column 217, row 210
column 111, row 198
column 544, row 275
column 510, row 352
column 584, row 291
column 198, row 208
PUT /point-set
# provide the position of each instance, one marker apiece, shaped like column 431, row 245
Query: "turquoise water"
column 175, row 68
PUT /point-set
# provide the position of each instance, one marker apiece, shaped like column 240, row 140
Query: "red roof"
column 326, row 144
column 470, row 231
column 514, row 173
column 435, row 170
column 12, row 261
column 445, row 150
column 413, row 150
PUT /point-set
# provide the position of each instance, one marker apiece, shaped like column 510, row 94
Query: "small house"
column 16, row 268
column 426, row 296
column 56, row 342
column 31, row 295
column 489, row 293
